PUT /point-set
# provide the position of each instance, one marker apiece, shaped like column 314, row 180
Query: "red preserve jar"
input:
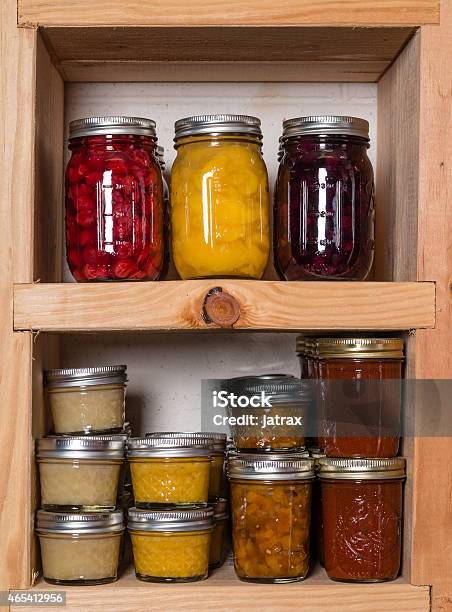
column 359, row 396
column 362, row 518
column 324, row 200
column 114, row 200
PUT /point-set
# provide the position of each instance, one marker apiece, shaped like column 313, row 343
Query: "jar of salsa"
column 114, row 200
column 360, row 395
column 324, row 205
column 219, row 198
column 271, row 514
column 362, row 518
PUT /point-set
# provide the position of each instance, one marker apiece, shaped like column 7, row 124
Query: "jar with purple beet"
column 324, row 201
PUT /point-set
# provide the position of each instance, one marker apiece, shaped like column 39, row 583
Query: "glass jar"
column 270, row 411
column 324, row 205
column 219, row 534
column 362, row 518
column 219, row 198
column 114, row 200
column 80, row 474
column 87, row 400
column 360, row 395
column 217, row 442
column 317, row 520
column 169, row 472
column 271, row 515
column 80, row 549
column 171, row 545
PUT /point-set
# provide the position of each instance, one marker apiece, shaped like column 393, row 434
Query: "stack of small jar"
column 357, row 403
column 82, row 471
column 271, row 476
column 178, row 525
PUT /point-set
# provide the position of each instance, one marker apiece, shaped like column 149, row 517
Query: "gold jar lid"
column 361, row 469
column 359, row 348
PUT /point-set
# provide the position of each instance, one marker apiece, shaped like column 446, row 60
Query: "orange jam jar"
column 168, row 472
column 271, row 516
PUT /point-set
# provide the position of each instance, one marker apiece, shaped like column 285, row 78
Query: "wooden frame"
column 414, row 225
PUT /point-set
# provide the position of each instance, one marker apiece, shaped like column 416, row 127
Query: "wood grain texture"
column 225, row 593
column 266, row 305
column 16, row 248
column 235, row 12
column 432, row 538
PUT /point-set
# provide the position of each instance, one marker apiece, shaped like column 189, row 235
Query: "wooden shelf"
column 262, row 305
column 224, row 591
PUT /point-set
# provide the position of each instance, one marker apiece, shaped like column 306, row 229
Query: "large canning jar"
column 362, row 518
column 360, row 395
column 219, row 198
column 324, row 204
column 87, row 400
column 80, row 474
column 268, row 412
column 171, row 545
column 271, row 515
column 114, row 200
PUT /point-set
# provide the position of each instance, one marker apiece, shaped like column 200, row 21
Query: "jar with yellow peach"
column 271, row 514
column 171, row 545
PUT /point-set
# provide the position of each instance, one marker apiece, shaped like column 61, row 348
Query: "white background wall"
column 165, row 369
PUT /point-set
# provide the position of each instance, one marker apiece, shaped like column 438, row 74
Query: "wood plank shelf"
column 243, row 304
column 223, row 591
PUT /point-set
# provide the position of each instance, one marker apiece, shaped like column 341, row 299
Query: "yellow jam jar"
column 87, row 400
column 171, row 545
column 217, row 441
column 219, row 533
column 80, row 473
column 80, row 549
column 219, row 198
column 169, row 471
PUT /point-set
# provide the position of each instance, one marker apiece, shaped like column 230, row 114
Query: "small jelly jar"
column 360, row 395
column 171, row 545
column 263, row 427
column 169, row 471
column 324, row 204
column 219, row 198
column 362, row 518
column 80, row 549
column 80, row 473
column 114, row 200
column 219, row 534
column 87, row 400
column 271, row 516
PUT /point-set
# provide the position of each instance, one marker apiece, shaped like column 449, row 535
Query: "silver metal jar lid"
column 81, row 447
column 257, row 467
column 85, row 377
column 282, row 387
column 160, row 152
column 213, row 438
column 359, row 348
column 170, row 520
column 361, row 469
column 220, row 509
column 325, row 125
column 79, row 523
column 92, row 126
column 161, row 446
column 218, row 124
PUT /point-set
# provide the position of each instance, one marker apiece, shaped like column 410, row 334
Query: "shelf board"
column 262, row 305
column 224, row 591
column 224, row 53
column 234, row 12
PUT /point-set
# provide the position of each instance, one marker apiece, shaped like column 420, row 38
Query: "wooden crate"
column 398, row 44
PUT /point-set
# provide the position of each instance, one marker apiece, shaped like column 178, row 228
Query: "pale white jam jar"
column 80, row 549
column 87, row 400
column 80, row 474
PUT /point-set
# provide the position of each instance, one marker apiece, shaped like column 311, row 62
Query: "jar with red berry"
column 324, row 204
column 114, row 200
